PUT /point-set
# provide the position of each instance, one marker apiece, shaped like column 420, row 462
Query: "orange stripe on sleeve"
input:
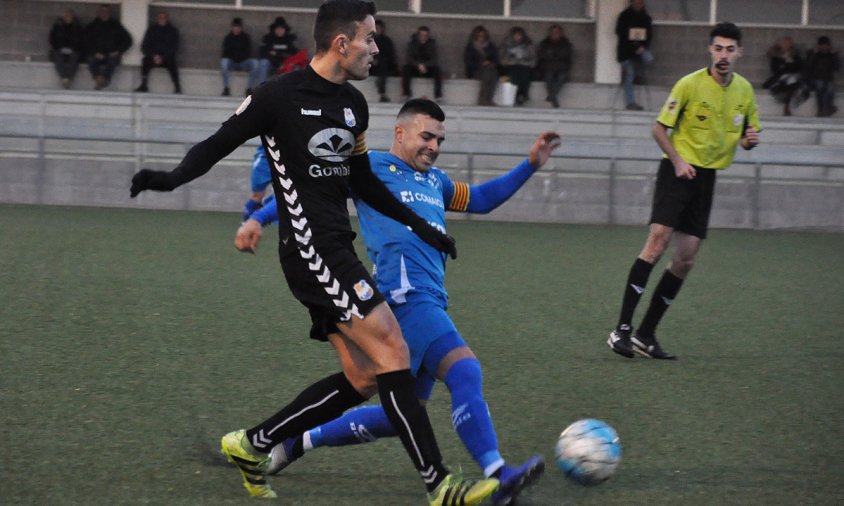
column 460, row 199
column 360, row 145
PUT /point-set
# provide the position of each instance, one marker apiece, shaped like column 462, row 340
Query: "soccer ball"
column 588, row 451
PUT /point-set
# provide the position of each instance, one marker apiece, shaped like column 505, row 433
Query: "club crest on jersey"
column 349, row 116
column 738, row 119
column 363, row 290
column 243, row 105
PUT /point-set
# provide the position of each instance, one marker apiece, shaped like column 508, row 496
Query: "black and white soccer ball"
column 588, row 451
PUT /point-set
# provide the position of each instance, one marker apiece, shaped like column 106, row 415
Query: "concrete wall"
column 78, row 148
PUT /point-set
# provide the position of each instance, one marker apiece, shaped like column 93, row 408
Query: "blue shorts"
column 260, row 171
column 430, row 335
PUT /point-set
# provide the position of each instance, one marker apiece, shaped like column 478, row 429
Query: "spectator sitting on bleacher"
column 821, row 65
column 105, row 42
column 276, row 46
column 481, row 61
column 383, row 63
column 66, row 46
column 554, row 62
column 786, row 69
column 237, row 55
column 518, row 58
column 422, row 61
column 160, row 44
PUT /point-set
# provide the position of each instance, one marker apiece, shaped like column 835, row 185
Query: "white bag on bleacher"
column 505, row 94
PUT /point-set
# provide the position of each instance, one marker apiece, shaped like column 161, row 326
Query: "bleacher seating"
column 92, row 142
column 457, row 92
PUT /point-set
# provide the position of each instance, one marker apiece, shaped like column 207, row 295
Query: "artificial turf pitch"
column 130, row 341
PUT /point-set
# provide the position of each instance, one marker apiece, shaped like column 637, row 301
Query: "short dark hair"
column 339, row 16
column 423, row 28
column 823, row 40
column 727, row 30
column 379, row 22
column 422, row 106
column 237, row 22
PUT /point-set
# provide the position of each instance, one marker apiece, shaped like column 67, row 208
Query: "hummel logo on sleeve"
column 311, row 112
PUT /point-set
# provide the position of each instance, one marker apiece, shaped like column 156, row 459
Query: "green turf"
column 130, row 341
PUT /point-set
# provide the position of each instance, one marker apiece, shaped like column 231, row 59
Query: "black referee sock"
column 411, row 423
column 321, row 402
column 665, row 293
column 636, row 282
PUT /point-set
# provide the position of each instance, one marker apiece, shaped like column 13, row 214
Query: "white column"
column 133, row 15
column 607, row 69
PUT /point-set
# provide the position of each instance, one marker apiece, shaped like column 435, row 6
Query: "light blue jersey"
column 260, row 170
column 404, row 263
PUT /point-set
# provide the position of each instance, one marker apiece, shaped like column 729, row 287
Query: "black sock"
column 633, row 290
column 321, row 402
column 664, row 295
column 411, row 423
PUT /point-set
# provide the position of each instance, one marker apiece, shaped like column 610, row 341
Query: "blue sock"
column 360, row 425
column 470, row 414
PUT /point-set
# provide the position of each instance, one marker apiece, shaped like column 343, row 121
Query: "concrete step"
column 457, row 92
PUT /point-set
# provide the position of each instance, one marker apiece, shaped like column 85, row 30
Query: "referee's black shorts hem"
column 683, row 204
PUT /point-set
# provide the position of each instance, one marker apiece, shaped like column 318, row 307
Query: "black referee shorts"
column 683, row 204
column 332, row 283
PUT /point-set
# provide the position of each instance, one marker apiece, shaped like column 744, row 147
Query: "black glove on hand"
column 147, row 179
column 435, row 238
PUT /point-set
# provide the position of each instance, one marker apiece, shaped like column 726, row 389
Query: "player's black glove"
column 146, row 179
column 435, row 238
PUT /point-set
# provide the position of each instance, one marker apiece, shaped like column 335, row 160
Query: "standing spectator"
column 105, row 42
column 422, row 61
column 708, row 114
column 634, row 32
column 481, row 61
column 276, row 46
column 160, row 44
column 786, row 68
column 384, row 63
column 67, row 44
column 237, row 55
column 518, row 58
column 821, row 65
column 554, row 62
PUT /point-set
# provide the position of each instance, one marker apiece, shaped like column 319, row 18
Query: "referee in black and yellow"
column 708, row 113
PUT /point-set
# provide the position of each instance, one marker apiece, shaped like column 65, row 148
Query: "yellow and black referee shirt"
column 707, row 119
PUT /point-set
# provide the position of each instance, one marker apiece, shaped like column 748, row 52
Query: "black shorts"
column 332, row 283
column 683, row 204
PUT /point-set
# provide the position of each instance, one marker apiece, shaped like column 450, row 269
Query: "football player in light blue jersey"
column 260, row 180
column 411, row 276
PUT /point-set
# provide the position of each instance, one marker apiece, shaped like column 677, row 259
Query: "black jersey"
column 310, row 128
column 313, row 135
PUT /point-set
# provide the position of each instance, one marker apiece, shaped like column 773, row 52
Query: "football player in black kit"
column 312, row 125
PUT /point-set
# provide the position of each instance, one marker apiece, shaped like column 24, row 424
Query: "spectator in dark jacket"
column 518, row 57
column 480, row 57
column 553, row 60
column 384, row 63
column 160, row 44
column 276, row 46
column 67, row 46
column 635, row 34
column 237, row 55
column 821, row 64
column 422, row 60
column 786, row 72
column 105, row 42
